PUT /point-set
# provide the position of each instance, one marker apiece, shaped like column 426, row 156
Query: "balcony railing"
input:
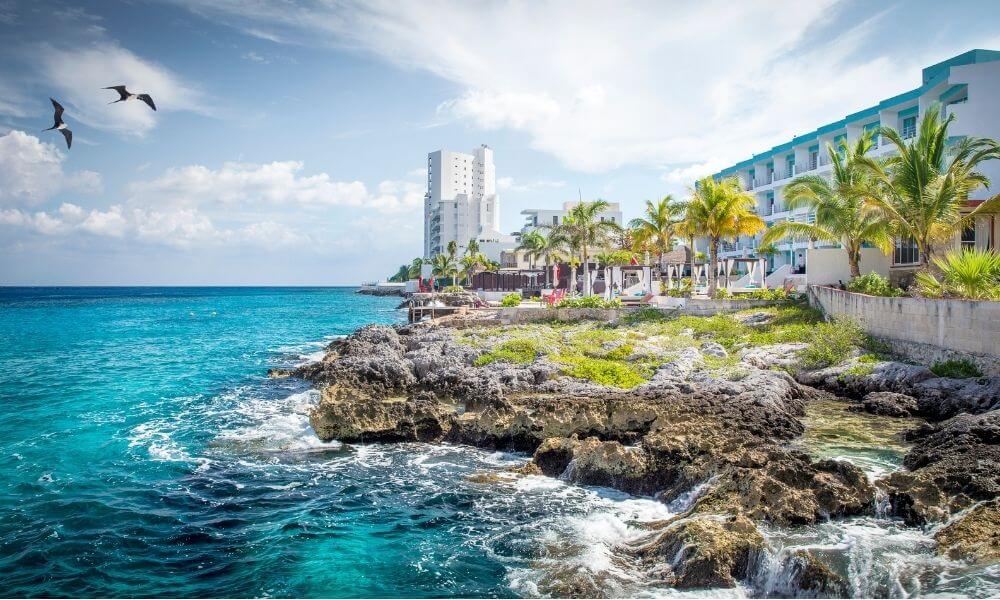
column 908, row 132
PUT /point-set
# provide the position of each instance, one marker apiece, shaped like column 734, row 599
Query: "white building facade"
column 539, row 217
column 967, row 85
column 461, row 203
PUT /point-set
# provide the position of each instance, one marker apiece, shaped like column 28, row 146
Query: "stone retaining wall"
column 924, row 329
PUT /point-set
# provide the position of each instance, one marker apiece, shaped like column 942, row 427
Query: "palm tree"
column 583, row 224
column 415, row 267
column 442, row 265
column 721, row 210
column 472, row 248
column 687, row 228
column 566, row 236
column 530, row 243
column 470, row 265
column 550, row 252
column 926, row 185
column 969, row 273
column 656, row 231
column 842, row 215
column 402, row 274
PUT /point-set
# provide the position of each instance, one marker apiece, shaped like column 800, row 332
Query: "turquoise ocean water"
column 143, row 452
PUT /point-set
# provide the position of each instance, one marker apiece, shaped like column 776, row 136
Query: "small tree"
column 721, row 210
column 842, row 213
column 926, row 185
column 657, row 229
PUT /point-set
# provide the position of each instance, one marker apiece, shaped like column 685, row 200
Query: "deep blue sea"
column 143, row 452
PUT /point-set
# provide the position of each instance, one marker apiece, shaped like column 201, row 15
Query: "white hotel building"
column 461, row 203
column 967, row 85
column 541, row 217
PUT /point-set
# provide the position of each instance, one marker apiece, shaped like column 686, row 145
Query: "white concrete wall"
column 979, row 115
column 969, row 327
column 828, row 266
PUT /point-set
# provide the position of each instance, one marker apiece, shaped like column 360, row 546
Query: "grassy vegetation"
column 514, row 351
column 602, row 370
column 832, row 343
column 959, row 369
column 628, row 354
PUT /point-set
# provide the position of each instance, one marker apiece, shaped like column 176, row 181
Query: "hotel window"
column 555, row 220
column 969, row 237
column 813, row 159
column 909, row 128
column 905, row 252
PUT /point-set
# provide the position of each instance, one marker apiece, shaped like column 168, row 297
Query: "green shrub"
column 973, row 274
column 873, row 284
column 832, row 343
column 514, row 351
column 620, row 353
column 450, row 289
column 861, row 370
column 600, row 370
column 511, row 299
column 958, row 369
column 589, row 302
column 768, row 294
column 722, row 294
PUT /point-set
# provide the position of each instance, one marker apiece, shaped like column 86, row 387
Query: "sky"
column 290, row 141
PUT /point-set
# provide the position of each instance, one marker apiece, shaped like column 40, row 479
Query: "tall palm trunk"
column 586, row 272
column 691, row 254
column 660, row 269
column 854, row 260
column 713, row 259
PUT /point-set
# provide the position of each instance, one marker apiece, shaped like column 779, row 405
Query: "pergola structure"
column 724, row 271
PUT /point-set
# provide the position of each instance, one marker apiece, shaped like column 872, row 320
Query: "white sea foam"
column 156, row 437
column 276, row 425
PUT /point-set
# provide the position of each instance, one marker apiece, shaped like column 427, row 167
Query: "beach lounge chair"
column 635, row 300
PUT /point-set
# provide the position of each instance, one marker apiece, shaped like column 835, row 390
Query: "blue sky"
column 291, row 138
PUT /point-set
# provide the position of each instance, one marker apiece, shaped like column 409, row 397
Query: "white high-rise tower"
column 461, row 201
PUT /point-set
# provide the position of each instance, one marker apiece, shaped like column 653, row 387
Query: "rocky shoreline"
column 719, row 447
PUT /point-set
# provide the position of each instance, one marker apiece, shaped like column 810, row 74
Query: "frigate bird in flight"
column 127, row 95
column 58, row 124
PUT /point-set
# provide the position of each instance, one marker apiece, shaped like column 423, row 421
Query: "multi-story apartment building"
column 967, row 85
column 461, row 202
column 540, row 217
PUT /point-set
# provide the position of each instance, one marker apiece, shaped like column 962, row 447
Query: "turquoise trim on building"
column 954, row 90
column 931, row 77
column 966, row 58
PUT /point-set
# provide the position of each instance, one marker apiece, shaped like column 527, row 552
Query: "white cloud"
column 257, row 58
column 31, row 171
column 509, row 184
column 599, row 87
column 494, row 110
column 80, row 73
column 195, row 206
column 277, row 183
column 183, row 228
column 689, row 174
